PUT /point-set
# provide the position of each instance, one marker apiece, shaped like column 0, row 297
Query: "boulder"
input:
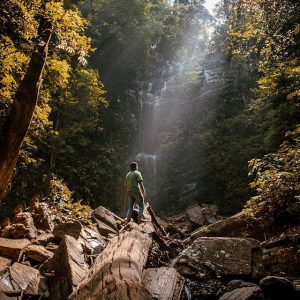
column 163, row 283
column 107, row 221
column 37, row 253
column 72, row 229
column 4, row 264
column 281, row 253
column 8, row 287
column 42, row 216
column 11, row 248
column 207, row 289
column 38, row 286
column 242, row 224
column 225, row 256
column 104, row 229
column 202, row 215
column 44, row 239
column 22, row 274
column 237, row 283
column 92, row 242
column 243, row 293
column 69, row 268
column 195, row 215
column 28, row 279
column 28, row 230
column 276, row 287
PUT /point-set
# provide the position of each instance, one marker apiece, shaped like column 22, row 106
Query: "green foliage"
column 276, row 180
column 60, row 199
column 265, row 33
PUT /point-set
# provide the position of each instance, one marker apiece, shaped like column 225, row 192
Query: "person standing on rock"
column 135, row 190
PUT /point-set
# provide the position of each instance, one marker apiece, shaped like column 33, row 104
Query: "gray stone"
column 225, row 256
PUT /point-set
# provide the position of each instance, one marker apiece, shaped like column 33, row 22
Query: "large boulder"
column 107, row 221
column 163, row 283
column 69, row 268
column 220, row 255
column 277, row 288
column 242, row 224
column 11, row 248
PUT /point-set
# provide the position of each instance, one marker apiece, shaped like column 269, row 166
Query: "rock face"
column 11, row 248
column 163, row 283
column 23, row 274
column 69, row 268
column 225, row 256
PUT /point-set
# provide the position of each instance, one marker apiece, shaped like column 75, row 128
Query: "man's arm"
column 143, row 188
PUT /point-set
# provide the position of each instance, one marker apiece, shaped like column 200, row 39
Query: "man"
column 135, row 190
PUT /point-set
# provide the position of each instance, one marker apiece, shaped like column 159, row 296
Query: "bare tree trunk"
column 117, row 271
column 16, row 126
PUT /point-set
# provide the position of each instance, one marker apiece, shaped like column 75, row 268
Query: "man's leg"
column 130, row 207
column 141, row 206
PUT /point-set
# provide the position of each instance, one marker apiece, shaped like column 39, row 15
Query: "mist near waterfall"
column 173, row 107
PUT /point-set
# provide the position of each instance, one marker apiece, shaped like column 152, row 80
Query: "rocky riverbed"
column 45, row 255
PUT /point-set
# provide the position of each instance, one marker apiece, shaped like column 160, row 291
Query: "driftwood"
column 117, row 272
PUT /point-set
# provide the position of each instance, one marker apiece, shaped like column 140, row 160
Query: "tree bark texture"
column 16, row 126
column 117, row 271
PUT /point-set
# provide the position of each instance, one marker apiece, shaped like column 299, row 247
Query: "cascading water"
column 171, row 115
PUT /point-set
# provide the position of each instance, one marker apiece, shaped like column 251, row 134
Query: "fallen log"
column 117, row 272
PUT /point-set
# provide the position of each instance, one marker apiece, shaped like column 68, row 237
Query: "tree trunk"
column 16, row 126
column 117, row 271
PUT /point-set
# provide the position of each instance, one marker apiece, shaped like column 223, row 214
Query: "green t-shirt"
column 132, row 181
